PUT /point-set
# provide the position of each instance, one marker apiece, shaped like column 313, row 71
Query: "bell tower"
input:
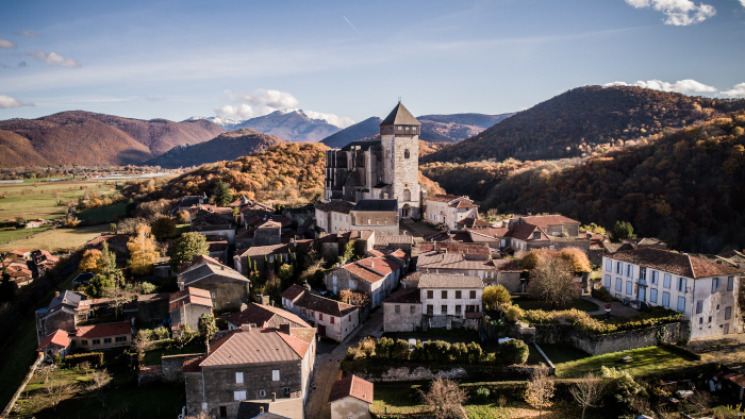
column 399, row 137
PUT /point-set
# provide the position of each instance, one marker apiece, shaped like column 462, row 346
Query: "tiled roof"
column 471, row 222
column 443, row 198
column 275, row 249
column 456, row 247
column 372, row 269
column 544, row 221
column 208, row 269
column 314, row 302
column 352, row 386
column 507, row 265
column 59, row 338
column 404, row 296
column 270, row 224
column 449, row 281
column 450, row 235
column 676, row 263
column 260, row 315
column 465, row 204
column 293, row 292
column 191, row 295
column 242, row 347
column 400, row 116
column 373, row 252
column 67, row 298
column 336, row 206
column 394, row 239
column 451, row 261
column 104, row 330
column 277, row 409
column 524, row 231
column 487, row 234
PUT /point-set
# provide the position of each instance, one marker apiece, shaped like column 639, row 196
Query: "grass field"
column 58, row 239
column 102, row 215
column 19, row 233
column 646, row 361
column 35, row 200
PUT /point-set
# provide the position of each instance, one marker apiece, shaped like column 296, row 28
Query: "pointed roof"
column 59, row 338
column 400, row 116
column 352, row 386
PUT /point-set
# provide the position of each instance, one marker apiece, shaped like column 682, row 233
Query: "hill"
column 435, row 128
column 584, row 121
column 293, row 126
column 226, row 146
column 686, row 187
column 79, row 137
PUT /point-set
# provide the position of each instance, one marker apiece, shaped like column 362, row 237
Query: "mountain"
column 224, row 123
column 435, row 128
column 583, row 121
column 79, row 137
column 293, row 126
column 226, row 146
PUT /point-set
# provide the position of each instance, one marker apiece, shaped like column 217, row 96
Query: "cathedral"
column 385, row 168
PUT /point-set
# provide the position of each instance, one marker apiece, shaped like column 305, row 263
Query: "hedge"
column 94, row 358
column 585, row 322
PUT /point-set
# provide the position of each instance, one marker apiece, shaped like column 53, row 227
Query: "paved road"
column 327, row 367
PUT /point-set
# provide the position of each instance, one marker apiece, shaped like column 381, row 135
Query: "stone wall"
column 611, row 342
column 416, row 374
column 172, row 366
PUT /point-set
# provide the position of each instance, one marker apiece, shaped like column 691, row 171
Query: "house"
column 545, row 231
column 263, row 257
column 450, row 300
column 228, row 288
column 509, row 275
column 386, row 168
column 334, row 244
column 389, row 243
column 271, row 409
column 250, row 364
column 458, row 258
column 263, row 316
column 42, row 262
column 96, row 337
column 187, row 202
column 64, row 312
column 54, row 344
column 449, row 210
column 217, row 248
column 472, row 223
column 185, row 307
column 19, row 274
column 378, row 215
column 705, row 292
column 267, row 231
column 150, row 310
column 351, row 397
column 332, row 319
column 333, row 216
column 375, row 276
column 215, row 221
column 402, row 311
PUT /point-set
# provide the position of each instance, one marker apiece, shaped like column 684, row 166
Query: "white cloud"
column 678, row 12
column 7, row 102
column 52, row 58
column 7, row 44
column 29, row 33
column 742, row 2
column 262, row 102
column 680, row 86
column 739, row 89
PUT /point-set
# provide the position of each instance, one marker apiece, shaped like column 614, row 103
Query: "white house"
column 333, row 216
column 449, row 209
column 705, row 292
column 333, row 319
column 451, row 300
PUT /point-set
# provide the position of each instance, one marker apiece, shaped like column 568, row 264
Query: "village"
column 262, row 311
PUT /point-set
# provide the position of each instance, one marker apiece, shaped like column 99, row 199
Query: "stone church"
column 385, row 168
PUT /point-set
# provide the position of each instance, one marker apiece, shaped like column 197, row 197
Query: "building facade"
column 449, row 210
column 332, row 319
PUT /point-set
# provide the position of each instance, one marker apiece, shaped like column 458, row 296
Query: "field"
column 39, row 199
column 58, row 239
column 646, row 361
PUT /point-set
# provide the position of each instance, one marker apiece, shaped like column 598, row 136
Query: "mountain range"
column 293, row 126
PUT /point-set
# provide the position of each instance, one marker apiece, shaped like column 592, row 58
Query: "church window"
column 407, row 154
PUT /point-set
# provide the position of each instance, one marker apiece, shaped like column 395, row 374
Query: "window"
column 643, row 273
column 320, row 316
column 730, row 283
column 682, row 284
column 84, row 342
column 457, row 309
column 728, row 313
column 619, row 284
column 619, row 267
column 120, row 339
column 239, row 395
column 444, row 309
column 430, row 294
column 262, row 393
column 96, row 341
column 412, row 309
column 275, row 375
column 444, row 294
column 458, row 294
column 654, row 277
column 472, row 295
column 223, row 411
column 398, row 308
column 607, row 281
column 666, row 281
column 666, row 299
column 332, row 318
column 239, row 378
column 349, row 317
column 629, row 287
column 352, row 285
column 369, row 221
column 653, row 295
column 629, row 270
column 407, row 154
column 106, row 340
column 699, row 306
column 609, row 265
column 681, row 304
column 714, row 285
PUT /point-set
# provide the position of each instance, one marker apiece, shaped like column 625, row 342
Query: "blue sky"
column 354, row 59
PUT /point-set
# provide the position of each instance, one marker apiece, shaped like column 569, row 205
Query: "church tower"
column 399, row 137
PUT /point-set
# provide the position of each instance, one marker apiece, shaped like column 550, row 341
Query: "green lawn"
column 531, row 304
column 20, row 233
column 105, row 214
column 397, row 398
column 562, row 353
column 646, row 361
column 34, row 200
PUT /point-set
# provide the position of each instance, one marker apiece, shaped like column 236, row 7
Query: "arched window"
column 407, row 154
column 407, row 195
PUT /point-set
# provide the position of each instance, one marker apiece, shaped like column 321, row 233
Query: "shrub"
column 481, row 394
column 93, row 358
column 512, row 352
column 513, row 313
column 603, row 295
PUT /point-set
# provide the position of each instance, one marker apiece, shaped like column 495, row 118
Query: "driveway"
column 327, row 366
column 617, row 309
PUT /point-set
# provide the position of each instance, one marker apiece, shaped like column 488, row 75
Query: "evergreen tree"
column 186, row 247
column 223, row 194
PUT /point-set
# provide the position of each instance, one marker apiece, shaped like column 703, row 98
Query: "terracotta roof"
column 275, row 249
column 59, row 338
column 464, row 204
column 404, row 296
column 487, row 234
column 449, row 281
column 104, row 330
column 191, row 295
column 314, row 302
column 206, row 270
column 373, row 252
column 270, row 224
column 524, row 231
column 450, row 235
column 544, row 221
column 507, row 265
column 293, row 292
column 277, row 409
column 451, row 261
column 242, row 347
column 336, row 206
column 471, row 222
column 260, row 315
column 676, row 263
column 372, row 269
column 480, row 249
column 352, row 386
column 738, row 379
column 443, row 198
column 394, row 239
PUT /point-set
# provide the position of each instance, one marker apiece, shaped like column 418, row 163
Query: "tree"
column 495, row 295
column 552, row 281
column 142, row 251
column 348, row 253
column 512, row 352
column 445, row 398
column 223, row 194
column 587, row 392
column 540, row 390
column 164, row 228
column 107, row 274
column 207, row 327
column 622, row 230
column 286, row 271
column 577, row 259
column 90, row 261
column 186, row 247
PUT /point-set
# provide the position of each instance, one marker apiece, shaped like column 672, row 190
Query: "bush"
column 603, row 295
column 512, row 352
column 513, row 313
column 95, row 359
column 481, row 394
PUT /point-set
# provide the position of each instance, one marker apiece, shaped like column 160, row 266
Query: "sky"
column 348, row 60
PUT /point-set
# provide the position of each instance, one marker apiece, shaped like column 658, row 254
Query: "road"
column 327, row 367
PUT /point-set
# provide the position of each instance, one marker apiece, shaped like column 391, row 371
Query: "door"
column 640, row 293
column 726, row 329
column 321, row 330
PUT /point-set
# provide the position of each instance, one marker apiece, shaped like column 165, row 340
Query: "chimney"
column 274, row 396
column 285, row 328
column 261, row 410
column 247, row 327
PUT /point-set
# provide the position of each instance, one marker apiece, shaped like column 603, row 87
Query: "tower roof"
column 400, row 116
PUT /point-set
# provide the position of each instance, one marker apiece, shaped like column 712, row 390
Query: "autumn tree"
column 107, row 273
column 445, row 398
column 90, row 261
column 540, row 390
column 348, row 253
column 164, row 228
column 577, row 259
column 494, row 296
column 552, row 280
column 143, row 251
column 587, row 392
column 186, row 247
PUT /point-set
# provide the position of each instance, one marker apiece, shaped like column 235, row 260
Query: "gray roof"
column 206, row 270
column 400, row 116
column 451, row 261
column 376, row 205
column 281, row 408
column 449, row 281
column 68, row 298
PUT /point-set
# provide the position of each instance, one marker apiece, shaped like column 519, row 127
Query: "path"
column 617, row 309
column 327, row 366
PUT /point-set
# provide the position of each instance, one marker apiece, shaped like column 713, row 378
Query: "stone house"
column 262, row 316
column 56, row 343
column 64, row 312
column 185, row 307
column 375, row 276
column 705, row 292
column 271, row 409
column 215, row 221
column 351, row 398
column 458, row 258
column 96, row 337
column 389, row 243
column 334, row 244
column 449, row 210
column 227, row 287
column 378, row 215
column 250, row 364
column 402, row 311
column 509, row 275
column 333, row 216
column 451, row 300
column 332, row 319
column 263, row 257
